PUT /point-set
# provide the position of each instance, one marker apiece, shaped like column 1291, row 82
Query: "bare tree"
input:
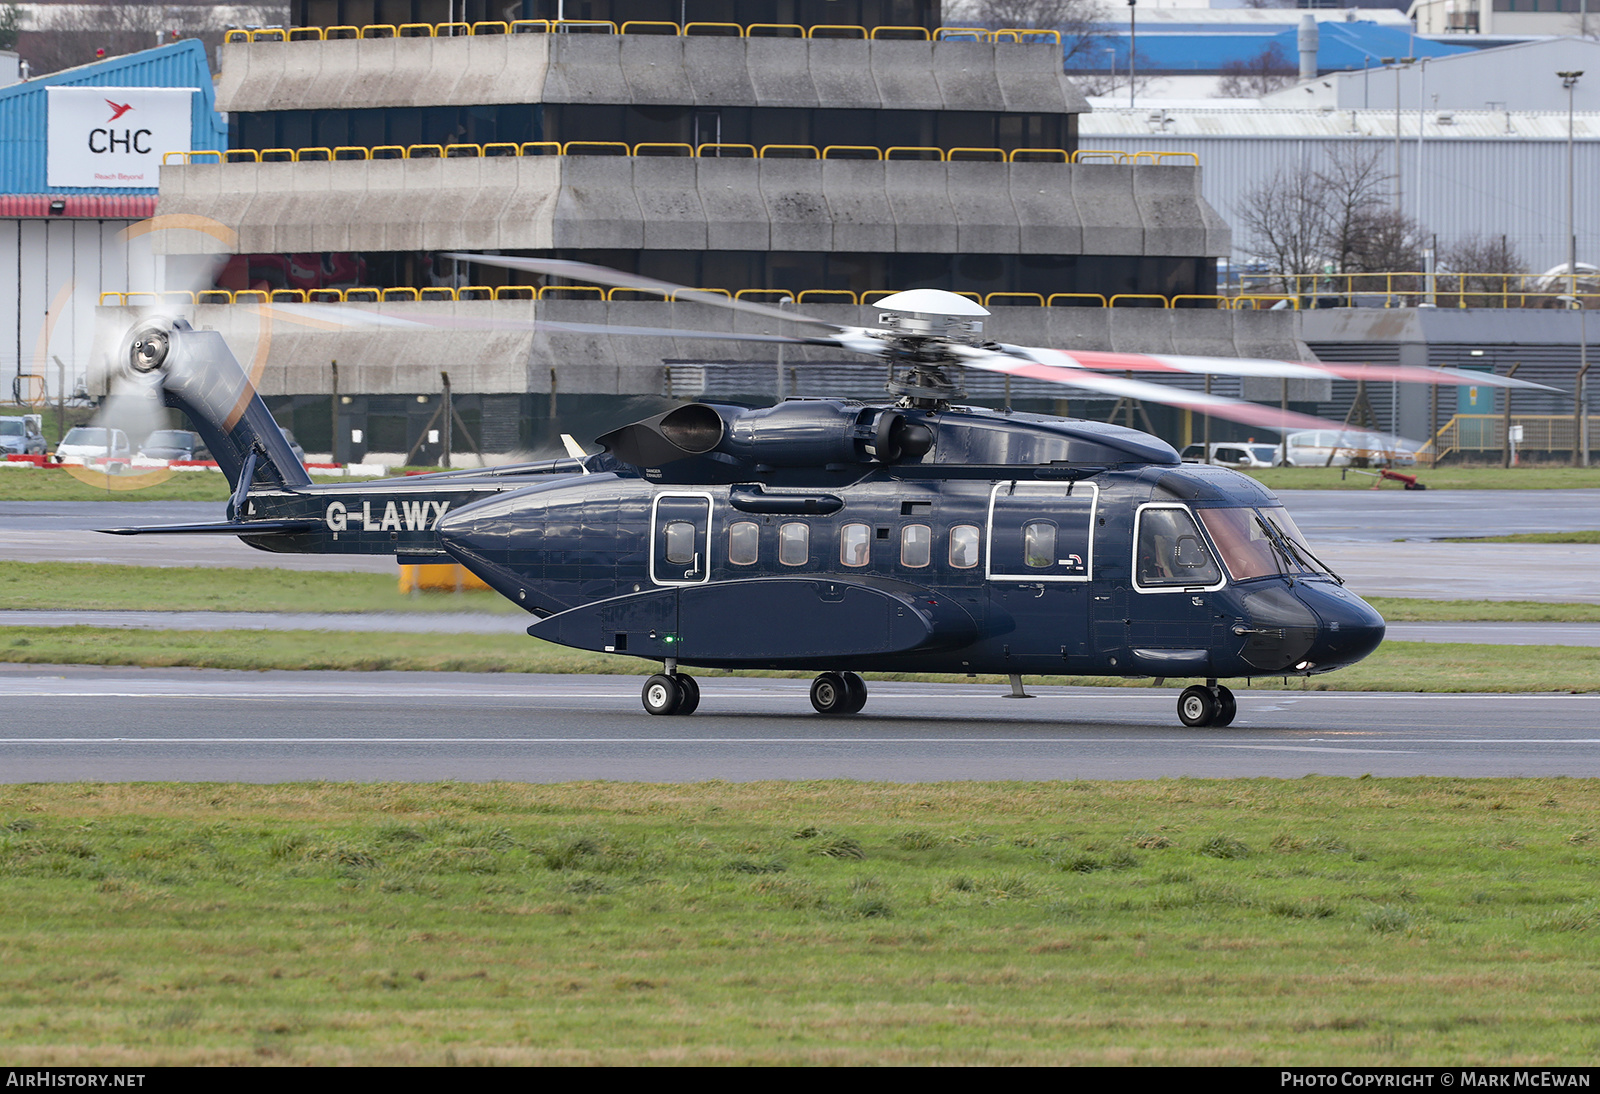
column 1112, row 79
column 67, row 35
column 1355, row 188
column 1484, row 269
column 1386, row 242
column 10, row 23
column 1077, row 20
column 1268, row 71
column 1287, row 217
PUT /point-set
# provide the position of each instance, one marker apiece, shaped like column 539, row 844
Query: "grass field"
column 1396, row 666
column 1532, row 477
column 1314, row 921
column 59, row 485
column 84, row 586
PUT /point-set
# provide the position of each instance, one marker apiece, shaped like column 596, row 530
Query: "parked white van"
column 95, row 444
column 1234, row 454
column 1341, row 447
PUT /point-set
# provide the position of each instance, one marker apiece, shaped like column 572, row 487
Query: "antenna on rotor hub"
column 921, row 323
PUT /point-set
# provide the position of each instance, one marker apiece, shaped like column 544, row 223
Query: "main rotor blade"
column 602, row 275
column 1217, row 406
column 348, row 317
column 1274, row 369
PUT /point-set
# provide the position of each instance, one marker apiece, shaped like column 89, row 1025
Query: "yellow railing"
column 1415, row 288
column 364, row 294
column 1478, row 433
column 321, row 154
column 639, row 26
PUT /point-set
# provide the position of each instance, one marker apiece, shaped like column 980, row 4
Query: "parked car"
column 1341, row 447
column 20, row 436
column 1234, row 454
column 174, row 444
column 96, row 443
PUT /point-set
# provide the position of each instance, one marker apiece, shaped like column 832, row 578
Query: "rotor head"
column 931, row 313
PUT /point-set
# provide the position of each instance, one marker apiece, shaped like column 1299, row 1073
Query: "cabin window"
column 855, row 542
column 680, row 542
column 916, row 545
column 794, row 543
column 964, row 546
column 1039, row 545
column 744, row 543
column 1171, row 550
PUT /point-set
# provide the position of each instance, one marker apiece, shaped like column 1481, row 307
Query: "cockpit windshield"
column 1262, row 543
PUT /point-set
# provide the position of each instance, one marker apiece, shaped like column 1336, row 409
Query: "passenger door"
column 1039, row 562
column 680, row 539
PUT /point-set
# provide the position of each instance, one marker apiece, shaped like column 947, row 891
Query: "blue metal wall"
column 23, row 111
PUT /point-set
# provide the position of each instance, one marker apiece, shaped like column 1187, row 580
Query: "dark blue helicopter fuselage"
column 1014, row 544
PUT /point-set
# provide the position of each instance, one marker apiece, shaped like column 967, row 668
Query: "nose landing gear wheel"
column 1197, row 706
column 831, row 694
column 662, row 695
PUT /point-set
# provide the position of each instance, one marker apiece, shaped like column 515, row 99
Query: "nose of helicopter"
column 1349, row 628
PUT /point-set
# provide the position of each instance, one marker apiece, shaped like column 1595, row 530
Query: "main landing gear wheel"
column 677, row 694
column 661, row 694
column 1206, row 706
column 1227, row 707
column 858, row 691
column 691, row 694
column 838, row 693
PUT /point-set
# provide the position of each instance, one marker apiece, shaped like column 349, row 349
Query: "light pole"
column 1112, row 54
column 1397, row 63
column 1133, row 48
column 1580, row 424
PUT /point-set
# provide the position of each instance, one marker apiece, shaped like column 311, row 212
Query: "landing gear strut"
column 1207, row 705
column 838, row 693
column 671, row 693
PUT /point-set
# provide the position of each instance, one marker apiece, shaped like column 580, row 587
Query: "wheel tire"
column 691, row 694
column 830, row 694
column 661, row 694
column 1197, row 707
column 857, row 689
column 1227, row 707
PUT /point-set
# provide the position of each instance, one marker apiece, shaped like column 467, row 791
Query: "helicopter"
column 911, row 535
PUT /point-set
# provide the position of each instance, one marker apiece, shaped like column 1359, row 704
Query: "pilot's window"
column 1171, row 550
column 680, row 541
column 744, row 540
column 854, row 544
column 964, row 546
column 1039, row 545
column 794, row 543
column 916, row 545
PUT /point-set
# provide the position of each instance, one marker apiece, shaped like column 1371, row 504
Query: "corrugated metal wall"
column 1491, row 187
column 23, row 110
column 51, row 275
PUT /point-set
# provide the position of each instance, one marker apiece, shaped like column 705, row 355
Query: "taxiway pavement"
column 120, row 724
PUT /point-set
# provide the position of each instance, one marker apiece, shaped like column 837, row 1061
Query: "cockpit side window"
column 1171, row 551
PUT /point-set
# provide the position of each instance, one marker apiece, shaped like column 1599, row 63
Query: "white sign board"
column 115, row 136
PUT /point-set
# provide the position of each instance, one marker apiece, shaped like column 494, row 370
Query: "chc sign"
column 115, row 136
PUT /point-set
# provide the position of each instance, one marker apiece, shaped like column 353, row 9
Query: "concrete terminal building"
column 783, row 154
